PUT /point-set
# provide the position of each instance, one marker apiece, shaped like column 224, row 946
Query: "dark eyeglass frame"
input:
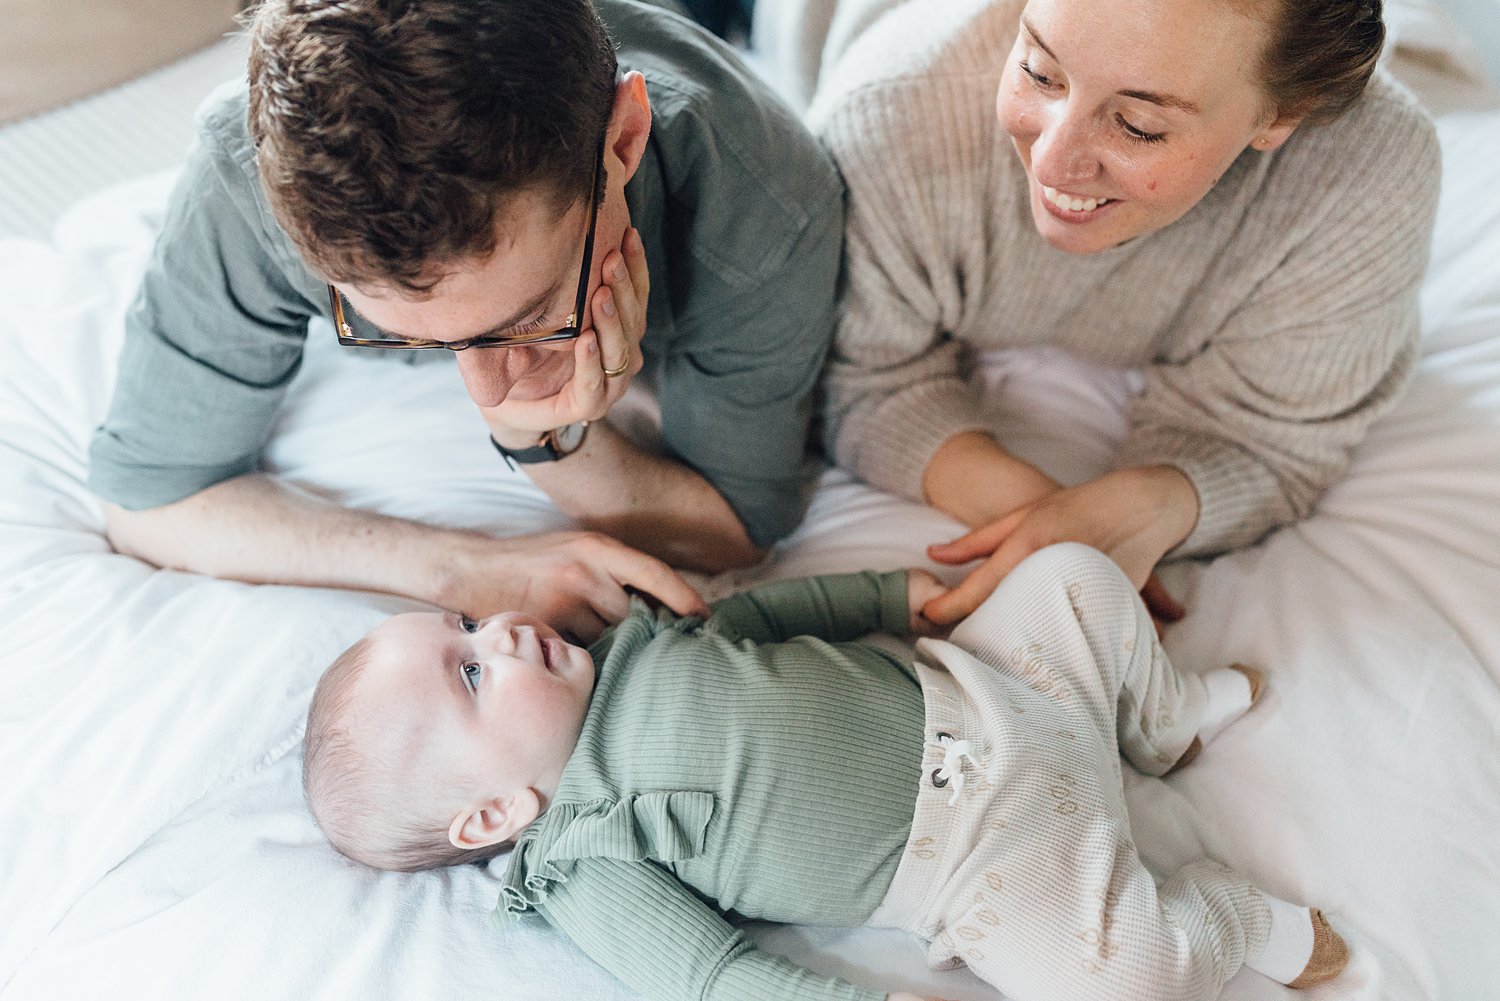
column 569, row 331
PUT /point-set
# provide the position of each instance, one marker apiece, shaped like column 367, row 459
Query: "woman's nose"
column 1063, row 152
column 489, row 373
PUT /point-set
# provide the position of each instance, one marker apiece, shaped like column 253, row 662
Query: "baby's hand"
column 922, row 587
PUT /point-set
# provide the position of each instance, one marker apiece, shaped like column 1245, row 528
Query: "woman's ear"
column 1273, row 135
column 629, row 126
column 491, row 822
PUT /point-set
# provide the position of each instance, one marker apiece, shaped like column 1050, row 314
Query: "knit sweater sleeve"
column 643, row 925
column 1266, row 416
column 834, row 607
column 895, row 389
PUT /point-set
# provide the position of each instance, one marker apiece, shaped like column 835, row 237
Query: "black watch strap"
column 542, row 451
column 558, row 443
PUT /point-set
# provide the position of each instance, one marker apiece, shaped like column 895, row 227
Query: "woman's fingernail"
column 608, row 306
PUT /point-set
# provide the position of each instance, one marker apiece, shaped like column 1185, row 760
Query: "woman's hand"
column 613, row 344
column 922, row 587
column 1132, row 515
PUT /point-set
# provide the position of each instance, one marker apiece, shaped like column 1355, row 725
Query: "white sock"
column 1290, row 944
column 1228, row 699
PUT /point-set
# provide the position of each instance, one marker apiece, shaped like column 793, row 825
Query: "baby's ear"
column 493, row 821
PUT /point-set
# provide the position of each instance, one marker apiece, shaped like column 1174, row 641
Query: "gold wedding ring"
column 610, row 373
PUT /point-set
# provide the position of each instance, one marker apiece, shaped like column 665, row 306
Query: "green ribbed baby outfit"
column 676, row 807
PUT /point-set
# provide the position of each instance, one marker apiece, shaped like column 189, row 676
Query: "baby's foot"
column 1329, row 955
column 1232, row 691
column 1299, row 939
column 1256, row 678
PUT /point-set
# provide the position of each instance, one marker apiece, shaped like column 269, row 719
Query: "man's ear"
column 629, row 126
column 493, row 821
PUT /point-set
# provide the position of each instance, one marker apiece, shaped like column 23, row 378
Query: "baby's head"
column 437, row 738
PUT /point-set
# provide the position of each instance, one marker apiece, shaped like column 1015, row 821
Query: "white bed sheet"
column 156, row 844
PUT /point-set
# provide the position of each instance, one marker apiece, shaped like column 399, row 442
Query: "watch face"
column 567, row 438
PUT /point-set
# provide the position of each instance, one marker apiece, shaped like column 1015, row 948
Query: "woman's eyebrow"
column 1149, row 96
column 1031, row 30
column 1163, row 100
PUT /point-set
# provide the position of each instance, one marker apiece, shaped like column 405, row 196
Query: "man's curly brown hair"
column 390, row 133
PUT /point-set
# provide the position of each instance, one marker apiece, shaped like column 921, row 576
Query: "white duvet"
column 153, row 838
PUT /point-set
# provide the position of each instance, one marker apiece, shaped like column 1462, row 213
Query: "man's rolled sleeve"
column 213, row 338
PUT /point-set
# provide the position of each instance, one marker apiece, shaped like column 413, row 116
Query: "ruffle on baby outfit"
column 660, row 826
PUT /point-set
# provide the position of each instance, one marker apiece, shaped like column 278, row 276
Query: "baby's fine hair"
column 374, row 811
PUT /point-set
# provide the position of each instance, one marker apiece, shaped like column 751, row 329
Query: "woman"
column 1223, row 194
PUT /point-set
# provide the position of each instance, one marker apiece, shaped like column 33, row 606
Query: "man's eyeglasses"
column 369, row 336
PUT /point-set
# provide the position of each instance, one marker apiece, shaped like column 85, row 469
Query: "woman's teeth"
column 1072, row 204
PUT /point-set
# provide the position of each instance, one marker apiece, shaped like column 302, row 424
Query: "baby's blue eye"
column 467, row 624
column 471, row 674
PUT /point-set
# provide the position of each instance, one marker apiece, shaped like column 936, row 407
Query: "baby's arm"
column 834, row 607
column 643, row 925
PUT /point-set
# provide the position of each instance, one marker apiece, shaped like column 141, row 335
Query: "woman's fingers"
column 1159, row 601
column 980, row 542
column 947, row 609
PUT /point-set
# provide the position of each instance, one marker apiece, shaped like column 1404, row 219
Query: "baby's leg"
column 1034, row 881
column 1055, row 901
column 1068, row 619
column 1122, row 937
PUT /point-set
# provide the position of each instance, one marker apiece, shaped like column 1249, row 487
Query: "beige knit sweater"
column 1273, row 322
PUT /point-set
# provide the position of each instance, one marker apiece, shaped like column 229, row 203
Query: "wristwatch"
column 559, row 443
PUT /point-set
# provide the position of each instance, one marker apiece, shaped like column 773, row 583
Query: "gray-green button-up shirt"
column 741, row 214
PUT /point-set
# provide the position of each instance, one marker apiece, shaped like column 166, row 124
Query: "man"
column 432, row 173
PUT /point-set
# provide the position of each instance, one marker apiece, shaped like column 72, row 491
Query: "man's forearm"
column 655, row 504
column 261, row 530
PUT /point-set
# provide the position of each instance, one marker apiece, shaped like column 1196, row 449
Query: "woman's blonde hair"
column 1321, row 55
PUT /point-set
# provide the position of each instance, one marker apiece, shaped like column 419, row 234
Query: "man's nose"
column 489, row 373
column 1063, row 152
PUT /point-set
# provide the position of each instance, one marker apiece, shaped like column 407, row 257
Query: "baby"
column 764, row 763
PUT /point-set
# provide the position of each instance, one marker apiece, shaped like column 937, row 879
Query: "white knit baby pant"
column 1020, row 862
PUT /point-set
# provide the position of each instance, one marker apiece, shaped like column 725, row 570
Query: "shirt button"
column 938, row 779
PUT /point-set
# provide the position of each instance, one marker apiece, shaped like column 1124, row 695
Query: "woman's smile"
column 1074, row 208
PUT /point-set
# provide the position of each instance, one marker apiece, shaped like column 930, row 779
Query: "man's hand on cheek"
column 605, row 357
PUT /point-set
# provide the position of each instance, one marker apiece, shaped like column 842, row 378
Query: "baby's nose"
column 497, row 634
